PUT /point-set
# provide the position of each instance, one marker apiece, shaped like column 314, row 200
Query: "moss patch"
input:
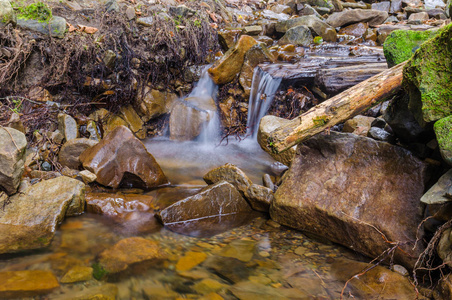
column 427, row 77
column 400, row 45
column 35, row 11
column 443, row 131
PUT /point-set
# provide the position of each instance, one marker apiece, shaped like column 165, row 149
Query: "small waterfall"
column 263, row 89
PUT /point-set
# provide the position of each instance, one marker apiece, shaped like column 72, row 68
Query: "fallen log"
column 335, row 110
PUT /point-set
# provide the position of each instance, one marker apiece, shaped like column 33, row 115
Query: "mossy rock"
column 400, row 45
column 443, row 131
column 7, row 14
column 427, row 77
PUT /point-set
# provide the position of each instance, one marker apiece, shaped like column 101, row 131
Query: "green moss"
column 35, row 11
column 320, row 121
column 443, row 131
column 98, row 271
column 400, row 45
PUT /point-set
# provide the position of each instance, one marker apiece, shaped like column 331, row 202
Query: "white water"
column 263, row 91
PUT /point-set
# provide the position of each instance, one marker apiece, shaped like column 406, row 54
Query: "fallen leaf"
column 87, row 29
column 71, row 28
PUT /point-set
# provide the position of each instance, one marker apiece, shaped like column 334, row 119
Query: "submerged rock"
column 29, row 221
column 121, row 159
column 127, row 252
column 103, row 292
column 353, row 190
column 215, row 209
column 225, row 69
column 78, row 274
column 346, row 17
column 427, row 77
column 30, row 283
column 12, row 158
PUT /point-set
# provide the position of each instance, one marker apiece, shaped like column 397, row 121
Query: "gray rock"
column 130, row 13
column 380, row 134
column 67, row 126
column 7, row 14
column 145, row 21
column 12, row 158
column 94, row 133
column 432, row 4
column 421, row 16
column 182, row 11
column 268, row 14
column 87, row 176
column 437, row 193
column 346, row 17
column 259, row 197
column 57, row 27
column 317, row 27
column 299, row 35
column 268, row 182
column 382, row 6
column 29, row 221
column 396, row 6
column 69, row 155
column 112, row 5
column 231, row 174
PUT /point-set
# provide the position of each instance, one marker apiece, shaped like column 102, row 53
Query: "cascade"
column 263, row 89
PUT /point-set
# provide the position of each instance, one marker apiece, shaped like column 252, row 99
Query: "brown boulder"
column 354, row 191
column 69, row 155
column 225, row 69
column 120, row 158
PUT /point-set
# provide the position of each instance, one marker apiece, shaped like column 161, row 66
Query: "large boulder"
column 153, row 103
column 121, row 159
column 30, row 219
column 27, row 283
column 299, row 35
column 400, row 45
column 346, row 17
column 133, row 120
column 7, row 14
column 12, row 158
column 317, row 27
column 215, row 209
column 225, row 69
column 427, row 78
column 69, row 154
column 354, row 191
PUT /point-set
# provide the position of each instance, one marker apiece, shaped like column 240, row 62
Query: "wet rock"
column 346, row 17
column 266, row 126
column 317, row 27
column 190, row 260
column 231, row 174
column 252, row 30
column 357, row 30
column 444, row 136
column 268, row 182
column 30, row 283
column 380, row 134
column 153, row 103
column 358, row 125
column 188, row 120
column 69, row 154
column 207, row 286
column 7, row 14
column 268, row 14
column 427, row 77
column 104, row 292
column 440, row 192
column 87, row 176
column 448, row 9
column 182, row 10
column 400, row 45
column 382, row 6
column 254, row 56
column 130, row 13
column 94, row 133
column 228, row 38
column 259, row 197
column 242, row 250
column 231, row 269
column 444, row 288
column 134, row 122
column 299, row 35
column 67, row 126
column 121, row 159
column 12, row 158
column 78, row 274
column 56, row 26
column 127, row 252
column 225, row 69
column 377, row 281
column 251, row 290
column 216, row 208
column 30, row 219
column 366, row 179
column 15, row 122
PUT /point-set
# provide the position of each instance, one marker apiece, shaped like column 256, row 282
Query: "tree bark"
column 335, row 110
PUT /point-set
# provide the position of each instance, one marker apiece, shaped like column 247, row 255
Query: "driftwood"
column 335, row 110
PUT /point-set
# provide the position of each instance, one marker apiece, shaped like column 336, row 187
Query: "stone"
column 242, row 250
column 444, row 247
column 421, row 16
column 94, row 133
column 15, row 122
column 358, row 125
column 103, row 292
column 380, row 134
column 78, row 274
column 216, row 208
column 145, row 21
column 259, row 197
column 30, row 283
column 299, row 35
column 315, row 24
column 109, row 59
column 357, row 30
column 231, row 269
column 443, row 133
column 396, row 6
column 268, row 182
column 427, row 77
column 281, row 9
column 7, row 14
column 432, row 4
column 400, row 45
column 248, row 290
column 382, row 6
column 346, row 17
column 57, row 27
column 266, row 127
column 12, row 159
column 190, row 260
column 29, row 221
column 69, row 155
column 67, row 126
column 228, row 67
column 256, row 55
column 252, row 30
column 376, row 281
column 373, row 184
column 153, row 103
column 228, row 37
column 130, row 13
column 444, row 289
column 128, row 252
column 208, row 285
column 231, row 174
column 270, row 15
column 133, row 121
column 182, row 10
column 121, row 159
column 87, row 176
